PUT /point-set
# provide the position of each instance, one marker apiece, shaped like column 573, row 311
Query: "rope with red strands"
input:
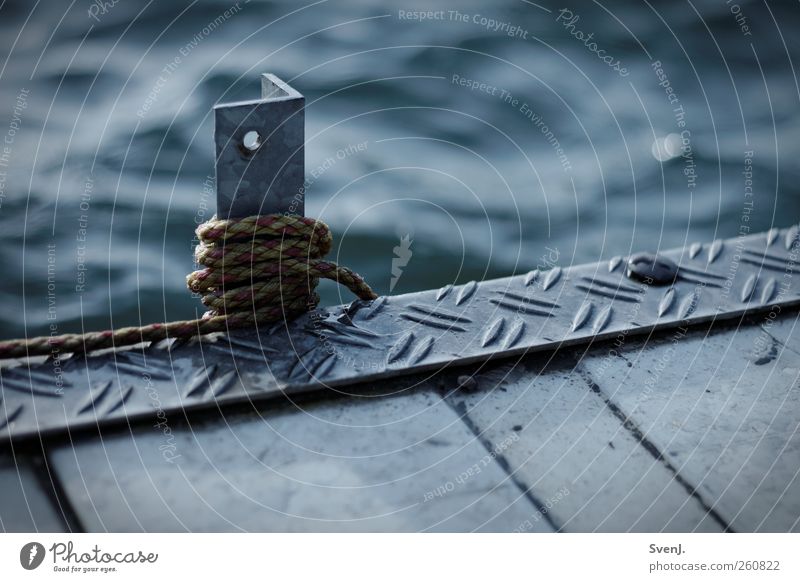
column 258, row 269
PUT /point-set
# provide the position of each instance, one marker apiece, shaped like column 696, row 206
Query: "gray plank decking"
column 375, row 464
column 575, row 453
column 26, row 503
column 698, row 433
column 724, row 410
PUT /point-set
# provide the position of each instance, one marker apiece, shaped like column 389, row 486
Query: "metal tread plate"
column 341, row 346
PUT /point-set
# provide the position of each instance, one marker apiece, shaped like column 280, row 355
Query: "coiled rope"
column 258, row 269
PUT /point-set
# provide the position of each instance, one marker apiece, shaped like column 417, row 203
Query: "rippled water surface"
column 484, row 140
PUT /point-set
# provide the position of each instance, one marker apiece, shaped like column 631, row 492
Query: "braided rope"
column 258, row 269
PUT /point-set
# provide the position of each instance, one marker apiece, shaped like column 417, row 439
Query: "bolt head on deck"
column 652, row 269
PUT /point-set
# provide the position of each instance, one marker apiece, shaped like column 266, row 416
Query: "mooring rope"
column 258, row 269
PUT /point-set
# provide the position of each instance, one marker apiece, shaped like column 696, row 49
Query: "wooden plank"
column 580, row 463
column 25, row 505
column 376, row 463
column 724, row 408
column 778, row 331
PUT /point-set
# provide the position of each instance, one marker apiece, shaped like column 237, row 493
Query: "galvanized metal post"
column 260, row 154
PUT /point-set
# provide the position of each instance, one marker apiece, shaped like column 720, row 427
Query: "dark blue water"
column 495, row 137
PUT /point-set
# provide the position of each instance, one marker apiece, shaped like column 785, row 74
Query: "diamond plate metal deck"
column 335, row 349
